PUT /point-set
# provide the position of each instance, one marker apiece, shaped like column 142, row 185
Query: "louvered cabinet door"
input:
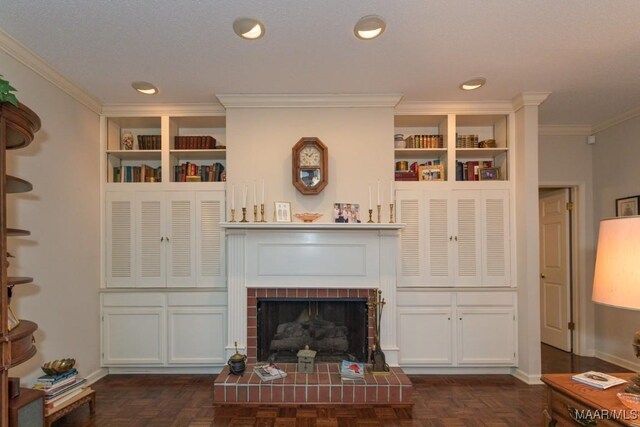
column 467, row 238
column 210, row 239
column 120, row 239
column 496, row 249
column 150, row 239
column 179, row 238
column 410, row 212
column 439, row 239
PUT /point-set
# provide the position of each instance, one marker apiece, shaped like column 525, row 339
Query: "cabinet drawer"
column 566, row 410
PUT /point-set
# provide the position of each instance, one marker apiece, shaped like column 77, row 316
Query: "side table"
column 87, row 396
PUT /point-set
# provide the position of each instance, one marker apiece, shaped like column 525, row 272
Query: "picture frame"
column 431, row 173
column 346, row 213
column 489, row 174
column 282, row 211
column 627, row 206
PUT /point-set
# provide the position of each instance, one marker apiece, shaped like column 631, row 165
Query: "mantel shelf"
column 310, row 226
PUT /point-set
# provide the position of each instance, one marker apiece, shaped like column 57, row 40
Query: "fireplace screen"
column 335, row 328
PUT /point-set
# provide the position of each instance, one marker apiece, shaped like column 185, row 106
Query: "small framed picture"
column 346, row 212
column 282, row 211
column 489, row 174
column 431, row 173
column 627, row 206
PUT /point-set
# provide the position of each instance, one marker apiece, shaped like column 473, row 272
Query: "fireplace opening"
column 335, row 328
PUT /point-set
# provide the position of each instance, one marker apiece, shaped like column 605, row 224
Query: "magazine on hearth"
column 598, row 379
column 269, row 372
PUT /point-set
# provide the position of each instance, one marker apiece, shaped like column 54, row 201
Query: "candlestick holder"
column 233, row 215
column 391, row 213
column 379, row 213
column 370, row 217
column 255, row 213
column 262, row 213
column 244, row 215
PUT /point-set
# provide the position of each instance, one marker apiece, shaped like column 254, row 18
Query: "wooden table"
column 570, row 403
column 87, row 396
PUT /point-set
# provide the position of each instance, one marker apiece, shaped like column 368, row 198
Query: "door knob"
column 542, row 276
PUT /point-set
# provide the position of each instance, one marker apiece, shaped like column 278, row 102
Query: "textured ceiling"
column 587, row 53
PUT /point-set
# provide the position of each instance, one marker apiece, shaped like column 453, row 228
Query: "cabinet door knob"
column 450, row 238
column 542, row 276
column 162, row 239
column 167, row 239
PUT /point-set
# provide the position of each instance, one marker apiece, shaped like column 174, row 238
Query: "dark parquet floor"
column 440, row 401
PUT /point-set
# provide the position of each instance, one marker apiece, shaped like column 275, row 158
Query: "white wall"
column 360, row 144
column 615, row 175
column 63, row 215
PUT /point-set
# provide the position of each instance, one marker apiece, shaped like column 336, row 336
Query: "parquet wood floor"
column 440, row 401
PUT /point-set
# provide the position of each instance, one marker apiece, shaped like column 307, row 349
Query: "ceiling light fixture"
column 248, row 28
column 145, row 88
column 473, row 83
column 369, row 27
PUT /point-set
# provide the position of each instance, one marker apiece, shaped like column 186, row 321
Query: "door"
column 486, row 335
column 179, row 238
column 150, row 239
column 120, row 240
column 555, row 276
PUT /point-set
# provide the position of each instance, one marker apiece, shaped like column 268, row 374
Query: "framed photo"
column 489, row 174
column 627, row 206
column 282, row 211
column 431, row 173
column 346, row 212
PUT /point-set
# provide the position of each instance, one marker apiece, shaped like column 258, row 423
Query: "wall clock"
column 310, row 165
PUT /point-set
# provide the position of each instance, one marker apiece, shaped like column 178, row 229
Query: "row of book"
column 194, row 142
column 205, row 173
column 60, row 388
column 149, row 142
column 470, row 171
column 424, row 141
column 412, row 173
column 467, row 141
column 142, row 173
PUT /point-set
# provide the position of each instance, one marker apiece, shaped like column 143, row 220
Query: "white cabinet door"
column 411, row 254
column 196, row 335
column 133, row 336
column 438, row 214
column 496, row 243
column 120, row 239
column 486, row 336
column 150, row 239
column 210, row 239
column 425, row 336
column 179, row 238
column 467, row 238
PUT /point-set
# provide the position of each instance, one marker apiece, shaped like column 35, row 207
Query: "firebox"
column 336, row 328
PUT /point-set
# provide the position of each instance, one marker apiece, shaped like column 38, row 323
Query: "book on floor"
column 598, row 379
column 269, row 372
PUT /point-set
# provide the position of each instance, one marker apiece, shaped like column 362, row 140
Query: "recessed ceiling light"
column 473, row 83
column 369, row 27
column 248, row 28
column 145, row 88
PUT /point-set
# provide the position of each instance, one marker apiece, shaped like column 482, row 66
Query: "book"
column 351, row 370
column 598, row 379
column 49, row 387
column 64, row 398
column 269, row 372
column 50, row 379
column 51, row 395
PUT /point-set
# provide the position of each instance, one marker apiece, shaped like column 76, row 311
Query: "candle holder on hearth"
column 391, row 213
column 255, row 213
column 244, row 215
column 233, row 215
column 379, row 213
column 262, row 213
column 370, row 217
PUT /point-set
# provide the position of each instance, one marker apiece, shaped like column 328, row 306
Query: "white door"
column 120, row 240
column 150, row 239
column 439, row 238
column 486, row 335
column 425, row 335
column 467, row 239
column 411, row 238
column 554, row 269
column 179, row 239
column 210, row 243
column 496, row 251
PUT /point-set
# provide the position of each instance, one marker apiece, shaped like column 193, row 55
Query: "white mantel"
column 311, row 255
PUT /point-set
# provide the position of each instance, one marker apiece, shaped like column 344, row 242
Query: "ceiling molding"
column 176, row 110
column 529, row 99
column 631, row 114
column 309, row 100
column 445, row 107
column 35, row 63
column 565, row 130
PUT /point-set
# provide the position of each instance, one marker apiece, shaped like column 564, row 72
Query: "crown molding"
column 446, row 107
column 176, row 110
column 566, row 130
column 529, row 99
column 631, row 114
column 35, row 63
column 309, row 100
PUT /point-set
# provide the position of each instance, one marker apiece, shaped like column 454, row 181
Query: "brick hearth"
column 323, row 386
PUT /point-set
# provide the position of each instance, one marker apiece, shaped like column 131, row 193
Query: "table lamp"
column 616, row 280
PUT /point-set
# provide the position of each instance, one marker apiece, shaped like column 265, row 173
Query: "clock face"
column 310, row 156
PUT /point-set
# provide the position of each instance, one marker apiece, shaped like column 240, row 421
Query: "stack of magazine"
column 598, row 379
column 269, row 372
column 351, row 371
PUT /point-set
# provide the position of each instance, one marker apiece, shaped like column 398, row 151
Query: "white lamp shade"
column 616, row 280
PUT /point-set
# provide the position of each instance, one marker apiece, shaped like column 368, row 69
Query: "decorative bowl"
column 308, row 216
column 630, row 400
column 57, row 367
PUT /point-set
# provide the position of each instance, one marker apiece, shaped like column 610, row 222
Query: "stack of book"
column 269, row 372
column 351, row 371
column 60, row 388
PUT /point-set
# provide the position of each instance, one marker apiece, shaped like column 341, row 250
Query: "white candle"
column 244, row 196
column 369, row 197
column 233, row 196
column 263, row 191
column 255, row 197
column 378, row 192
column 391, row 192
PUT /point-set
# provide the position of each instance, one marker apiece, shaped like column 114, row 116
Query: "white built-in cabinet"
column 454, row 237
column 163, row 328
column 468, row 328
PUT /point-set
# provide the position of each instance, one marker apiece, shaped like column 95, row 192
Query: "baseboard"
column 526, row 378
column 209, row 370
column 625, row 363
column 96, row 375
column 456, row 371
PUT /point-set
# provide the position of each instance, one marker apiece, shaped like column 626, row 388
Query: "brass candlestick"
column 390, row 213
column 244, row 215
column 379, row 213
column 233, row 215
column 370, row 217
column 262, row 213
column 255, row 213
